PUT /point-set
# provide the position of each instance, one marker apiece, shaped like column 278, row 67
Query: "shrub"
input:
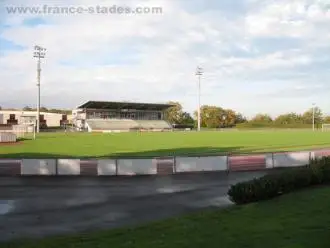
column 272, row 185
column 322, row 167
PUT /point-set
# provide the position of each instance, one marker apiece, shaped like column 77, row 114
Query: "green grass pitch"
column 163, row 144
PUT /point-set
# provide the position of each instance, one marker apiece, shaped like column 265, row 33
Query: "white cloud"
column 153, row 57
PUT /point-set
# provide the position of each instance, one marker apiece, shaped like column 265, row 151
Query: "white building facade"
column 14, row 117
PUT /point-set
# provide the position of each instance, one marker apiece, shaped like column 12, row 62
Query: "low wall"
column 68, row 166
column 38, row 167
column 130, row 167
column 107, row 167
column 195, row 164
column 292, row 159
column 155, row 166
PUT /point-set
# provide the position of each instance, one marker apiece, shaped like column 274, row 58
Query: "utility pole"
column 199, row 73
column 39, row 53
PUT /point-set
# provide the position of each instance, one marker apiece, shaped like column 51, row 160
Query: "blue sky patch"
column 7, row 45
column 35, row 21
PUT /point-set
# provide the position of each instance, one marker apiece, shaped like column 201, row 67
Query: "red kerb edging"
column 10, row 167
column 253, row 162
column 322, row 153
column 164, row 166
column 88, row 167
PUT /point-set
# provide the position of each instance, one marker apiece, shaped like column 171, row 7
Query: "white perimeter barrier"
column 38, row 167
column 68, row 166
column 106, row 167
column 7, row 137
column 131, row 167
column 139, row 166
column 291, row 159
column 194, row 164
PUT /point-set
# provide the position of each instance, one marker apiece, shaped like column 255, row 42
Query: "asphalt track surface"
column 35, row 207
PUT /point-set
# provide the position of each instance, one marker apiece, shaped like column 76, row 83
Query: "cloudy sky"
column 269, row 56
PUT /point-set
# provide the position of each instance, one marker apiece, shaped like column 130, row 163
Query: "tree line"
column 217, row 117
column 44, row 109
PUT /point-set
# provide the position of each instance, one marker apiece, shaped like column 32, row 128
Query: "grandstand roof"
column 125, row 105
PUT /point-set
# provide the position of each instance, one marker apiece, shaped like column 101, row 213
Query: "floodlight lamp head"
column 199, row 71
column 39, row 52
column 38, row 48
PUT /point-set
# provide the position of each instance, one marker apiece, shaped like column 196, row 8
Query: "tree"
column 174, row 114
column 290, row 118
column 0, row 108
column 60, row 111
column 230, row 118
column 215, row 117
column 240, row 118
column 27, row 108
column 326, row 120
column 262, row 118
column 211, row 116
column 186, row 119
column 43, row 109
column 308, row 116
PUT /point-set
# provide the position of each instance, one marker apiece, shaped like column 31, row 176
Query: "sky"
column 258, row 56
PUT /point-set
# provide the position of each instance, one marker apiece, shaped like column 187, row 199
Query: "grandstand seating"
column 153, row 124
column 126, row 124
column 111, row 124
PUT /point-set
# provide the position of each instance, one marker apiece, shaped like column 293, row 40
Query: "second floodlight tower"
column 39, row 53
column 199, row 73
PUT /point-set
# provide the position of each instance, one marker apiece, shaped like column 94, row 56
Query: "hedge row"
column 272, row 185
column 254, row 125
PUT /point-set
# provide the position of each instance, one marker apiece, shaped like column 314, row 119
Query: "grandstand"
column 96, row 116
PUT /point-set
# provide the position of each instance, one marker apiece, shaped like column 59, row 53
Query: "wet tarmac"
column 34, row 207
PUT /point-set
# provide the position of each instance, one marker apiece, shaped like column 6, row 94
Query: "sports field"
column 161, row 144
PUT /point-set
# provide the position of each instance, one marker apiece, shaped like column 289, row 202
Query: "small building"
column 97, row 116
column 16, row 117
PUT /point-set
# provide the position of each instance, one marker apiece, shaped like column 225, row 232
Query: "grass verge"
column 300, row 219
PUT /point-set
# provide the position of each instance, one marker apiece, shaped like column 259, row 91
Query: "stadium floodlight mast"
column 199, row 73
column 313, row 116
column 39, row 53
